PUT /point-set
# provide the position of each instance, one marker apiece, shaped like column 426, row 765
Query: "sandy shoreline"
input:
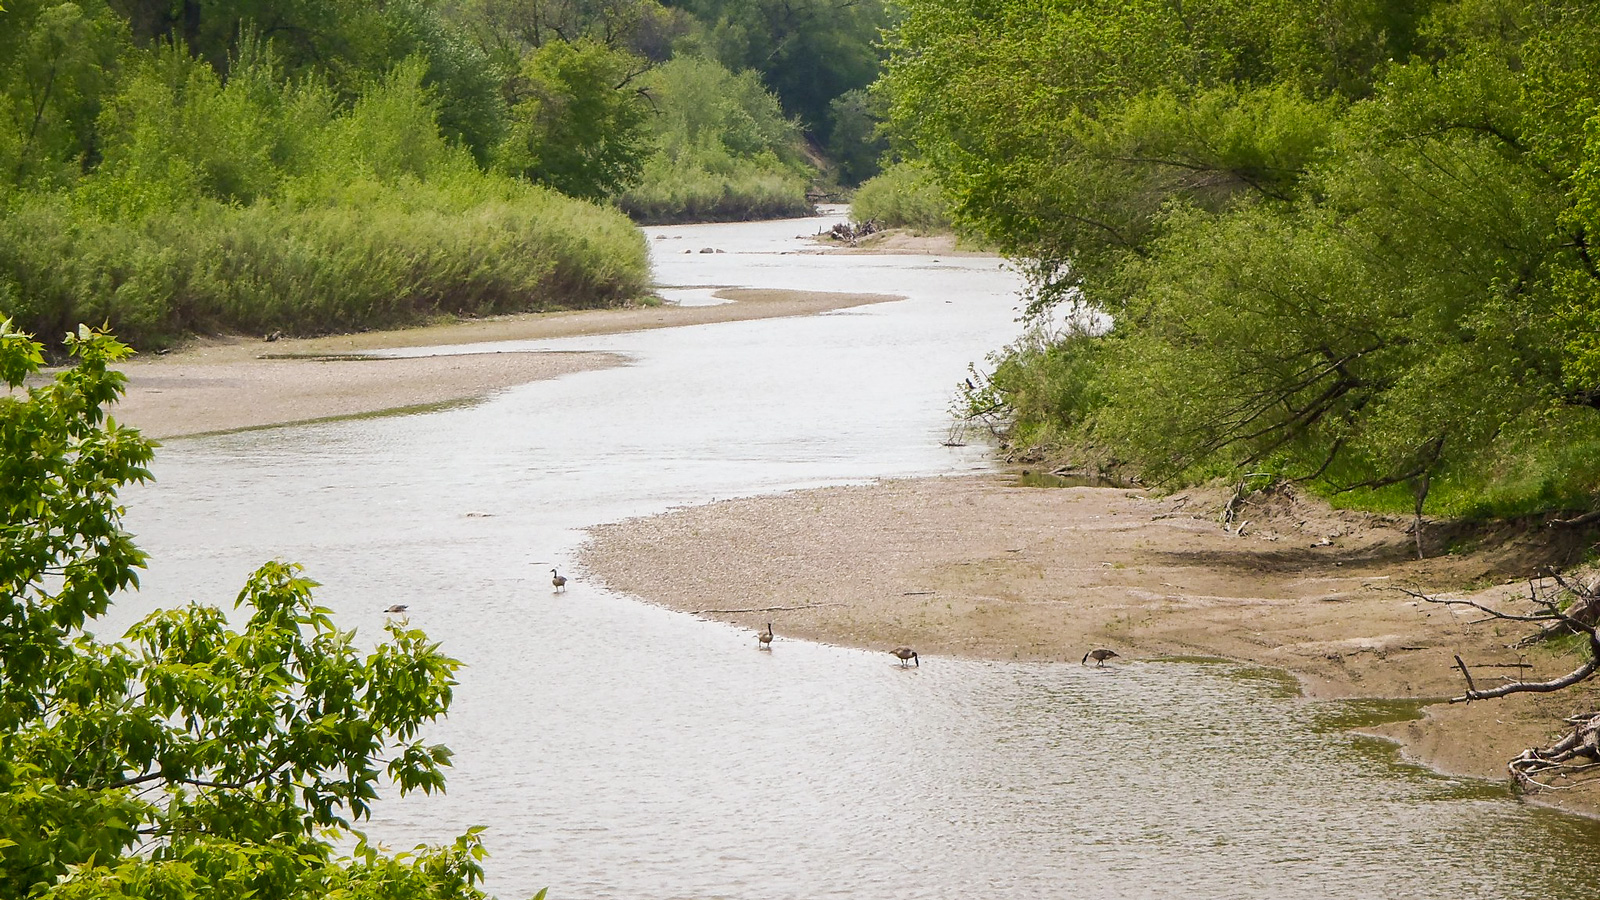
column 227, row 384
column 974, row 567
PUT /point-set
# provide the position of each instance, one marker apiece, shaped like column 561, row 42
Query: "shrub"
column 904, row 196
column 724, row 150
column 287, row 214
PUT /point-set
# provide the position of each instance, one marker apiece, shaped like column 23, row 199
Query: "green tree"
column 856, row 142
column 189, row 759
column 345, row 43
column 57, row 61
column 511, row 28
column 580, row 123
column 722, row 148
column 1346, row 242
column 807, row 51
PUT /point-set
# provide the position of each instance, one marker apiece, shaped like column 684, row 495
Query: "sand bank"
column 974, row 567
column 225, row 384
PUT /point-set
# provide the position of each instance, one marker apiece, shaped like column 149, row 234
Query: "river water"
column 615, row 749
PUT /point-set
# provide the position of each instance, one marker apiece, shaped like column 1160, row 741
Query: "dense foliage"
column 809, row 52
column 1348, row 243
column 905, row 195
column 188, row 759
column 723, row 149
column 573, row 128
column 331, row 165
column 147, row 189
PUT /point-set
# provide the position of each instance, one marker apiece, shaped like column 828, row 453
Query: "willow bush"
column 905, row 195
column 723, row 150
column 286, row 212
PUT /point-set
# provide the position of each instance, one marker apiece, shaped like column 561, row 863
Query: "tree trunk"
column 1422, row 497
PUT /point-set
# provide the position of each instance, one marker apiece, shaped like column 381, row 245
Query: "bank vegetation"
column 1344, row 246
column 166, row 170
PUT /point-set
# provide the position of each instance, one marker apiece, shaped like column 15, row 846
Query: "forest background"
column 306, row 167
column 1343, row 244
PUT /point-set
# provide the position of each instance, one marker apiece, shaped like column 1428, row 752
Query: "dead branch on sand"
column 1563, row 607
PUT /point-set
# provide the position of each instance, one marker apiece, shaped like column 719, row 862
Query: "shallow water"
column 616, row 749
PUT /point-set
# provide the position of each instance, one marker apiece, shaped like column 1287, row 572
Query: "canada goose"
column 1099, row 656
column 764, row 638
column 558, row 579
column 397, row 608
column 906, row 653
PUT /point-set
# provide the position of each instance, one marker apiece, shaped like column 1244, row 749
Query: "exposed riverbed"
column 618, row 749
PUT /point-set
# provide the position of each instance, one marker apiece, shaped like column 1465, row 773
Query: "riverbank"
column 232, row 383
column 900, row 241
column 975, row 567
column 958, row 566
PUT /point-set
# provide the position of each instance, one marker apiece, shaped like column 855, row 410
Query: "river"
column 615, row 749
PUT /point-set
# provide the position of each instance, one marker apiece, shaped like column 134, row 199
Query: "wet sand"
column 227, row 384
column 974, row 567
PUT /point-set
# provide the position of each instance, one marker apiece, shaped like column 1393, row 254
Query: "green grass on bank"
column 676, row 191
column 396, row 257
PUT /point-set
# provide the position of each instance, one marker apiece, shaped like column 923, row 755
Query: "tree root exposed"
column 1577, row 754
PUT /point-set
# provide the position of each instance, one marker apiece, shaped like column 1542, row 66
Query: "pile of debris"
column 850, row 232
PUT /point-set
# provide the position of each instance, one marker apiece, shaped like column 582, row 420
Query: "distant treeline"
column 1350, row 244
column 338, row 164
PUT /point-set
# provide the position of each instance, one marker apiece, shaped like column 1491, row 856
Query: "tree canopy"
column 808, row 52
column 188, row 759
column 1348, row 243
column 579, row 125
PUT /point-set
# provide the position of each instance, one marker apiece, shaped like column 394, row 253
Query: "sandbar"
column 974, row 566
column 232, row 383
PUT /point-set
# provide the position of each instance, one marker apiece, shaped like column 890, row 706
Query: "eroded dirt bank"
column 975, row 567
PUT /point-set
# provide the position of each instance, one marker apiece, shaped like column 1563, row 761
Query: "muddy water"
column 619, row 750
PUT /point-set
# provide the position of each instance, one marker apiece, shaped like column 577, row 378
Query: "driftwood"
column 1584, row 519
column 1241, row 491
column 1579, row 751
column 850, row 232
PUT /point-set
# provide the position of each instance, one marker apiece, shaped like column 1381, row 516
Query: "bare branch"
column 1552, row 613
column 1495, row 613
column 1525, row 687
column 1471, row 688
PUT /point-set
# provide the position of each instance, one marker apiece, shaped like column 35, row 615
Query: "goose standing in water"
column 764, row 638
column 558, row 579
column 906, row 653
column 1099, row 656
